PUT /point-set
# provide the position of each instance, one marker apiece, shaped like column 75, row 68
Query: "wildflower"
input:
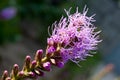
column 75, row 36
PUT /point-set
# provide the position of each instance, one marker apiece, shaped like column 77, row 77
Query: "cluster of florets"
column 73, row 37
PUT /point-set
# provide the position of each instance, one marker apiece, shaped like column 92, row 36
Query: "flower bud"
column 50, row 51
column 32, row 74
column 15, row 69
column 27, row 63
column 50, row 42
column 33, row 64
column 8, row 78
column 60, row 64
column 5, row 75
column 38, row 55
column 47, row 66
column 21, row 74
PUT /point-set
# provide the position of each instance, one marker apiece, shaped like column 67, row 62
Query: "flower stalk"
column 72, row 39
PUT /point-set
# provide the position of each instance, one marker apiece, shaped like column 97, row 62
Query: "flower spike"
column 73, row 38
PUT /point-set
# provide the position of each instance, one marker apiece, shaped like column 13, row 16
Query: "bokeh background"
column 23, row 30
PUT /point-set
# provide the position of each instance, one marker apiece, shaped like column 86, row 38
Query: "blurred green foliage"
column 8, row 30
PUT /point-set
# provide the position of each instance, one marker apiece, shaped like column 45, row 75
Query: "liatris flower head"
column 74, row 37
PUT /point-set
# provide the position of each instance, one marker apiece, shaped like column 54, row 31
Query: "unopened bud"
column 33, row 64
column 38, row 55
column 60, row 64
column 32, row 74
column 50, row 51
column 27, row 63
column 5, row 75
column 47, row 66
column 15, row 69
column 8, row 78
column 21, row 74
column 50, row 42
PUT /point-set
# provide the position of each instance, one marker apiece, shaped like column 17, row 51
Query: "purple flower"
column 8, row 13
column 75, row 35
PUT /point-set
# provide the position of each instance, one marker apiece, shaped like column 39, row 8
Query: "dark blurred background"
column 23, row 30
